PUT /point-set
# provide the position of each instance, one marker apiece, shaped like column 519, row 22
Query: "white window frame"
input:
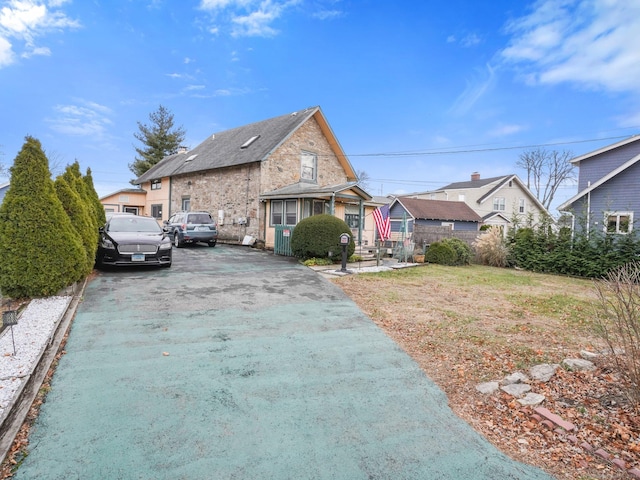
column 522, row 205
column 308, row 167
column 286, row 210
column 499, row 204
column 618, row 215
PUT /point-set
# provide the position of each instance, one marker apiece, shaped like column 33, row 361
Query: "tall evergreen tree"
column 98, row 208
column 81, row 221
column 159, row 139
column 41, row 252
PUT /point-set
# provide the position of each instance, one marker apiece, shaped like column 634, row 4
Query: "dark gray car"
column 192, row 227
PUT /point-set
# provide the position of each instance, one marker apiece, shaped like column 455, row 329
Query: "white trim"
column 604, row 179
column 621, row 143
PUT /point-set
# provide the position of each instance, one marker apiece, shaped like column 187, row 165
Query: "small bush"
column 319, row 236
column 618, row 322
column 491, row 249
column 441, row 253
column 463, row 251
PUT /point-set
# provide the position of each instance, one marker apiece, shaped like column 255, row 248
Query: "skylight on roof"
column 191, row 157
column 250, row 141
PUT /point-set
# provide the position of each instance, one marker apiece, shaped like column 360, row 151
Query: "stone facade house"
column 608, row 187
column 497, row 200
column 262, row 176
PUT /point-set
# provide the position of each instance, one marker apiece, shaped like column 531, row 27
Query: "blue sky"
column 419, row 93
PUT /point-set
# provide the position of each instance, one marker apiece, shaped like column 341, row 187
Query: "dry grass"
column 467, row 325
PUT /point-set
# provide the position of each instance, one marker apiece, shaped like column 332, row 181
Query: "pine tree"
column 159, row 139
column 41, row 253
column 98, row 208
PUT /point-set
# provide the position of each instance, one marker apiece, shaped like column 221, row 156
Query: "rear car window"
column 200, row 218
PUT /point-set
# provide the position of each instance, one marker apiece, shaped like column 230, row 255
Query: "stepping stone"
column 488, row 388
column 543, row 372
column 578, row 364
column 531, row 399
column 517, row 377
column 516, row 389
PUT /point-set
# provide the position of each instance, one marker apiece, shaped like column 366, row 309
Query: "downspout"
column 170, row 184
column 588, row 209
column 360, row 222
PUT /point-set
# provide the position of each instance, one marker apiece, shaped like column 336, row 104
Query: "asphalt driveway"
column 237, row 364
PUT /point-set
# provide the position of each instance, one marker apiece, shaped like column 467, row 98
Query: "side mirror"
column 100, row 229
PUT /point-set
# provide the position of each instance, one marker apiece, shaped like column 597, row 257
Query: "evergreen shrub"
column 41, row 252
column 318, row 236
column 463, row 251
column 441, row 253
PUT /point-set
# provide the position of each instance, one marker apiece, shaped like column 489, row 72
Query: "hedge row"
column 48, row 230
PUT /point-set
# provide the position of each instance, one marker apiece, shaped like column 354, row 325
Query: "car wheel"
column 212, row 243
column 176, row 240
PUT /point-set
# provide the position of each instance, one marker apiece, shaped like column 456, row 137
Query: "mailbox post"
column 345, row 239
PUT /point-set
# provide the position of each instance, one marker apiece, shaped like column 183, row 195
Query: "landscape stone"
column 578, row 364
column 516, row 389
column 532, row 399
column 517, row 377
column 543, row 372
column 488, row 388
column 587, row 355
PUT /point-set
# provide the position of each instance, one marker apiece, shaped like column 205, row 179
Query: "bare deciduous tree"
column 363, row 179
column 546, row 172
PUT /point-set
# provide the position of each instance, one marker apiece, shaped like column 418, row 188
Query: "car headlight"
column 106, row 243
column 165, row 246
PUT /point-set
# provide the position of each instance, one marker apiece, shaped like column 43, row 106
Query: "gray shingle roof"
column 439, row 210
column 473, row 183
column 225, row 149
column 306, row 189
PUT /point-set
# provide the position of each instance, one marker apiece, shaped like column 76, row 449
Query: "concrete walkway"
column 235, row 364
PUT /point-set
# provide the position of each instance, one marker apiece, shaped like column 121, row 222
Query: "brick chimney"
column 475, row 176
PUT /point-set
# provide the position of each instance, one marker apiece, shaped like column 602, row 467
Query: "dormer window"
column 309, row 167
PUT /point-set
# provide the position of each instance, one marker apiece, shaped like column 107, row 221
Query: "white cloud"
column 475, row 91
column 85, row 119
column 505, row 130
column 6, row 53
column 592, row 43
column 251, row 18
column 328, row 14
column 22, row 21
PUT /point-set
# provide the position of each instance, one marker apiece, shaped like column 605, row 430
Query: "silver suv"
column 192, row 227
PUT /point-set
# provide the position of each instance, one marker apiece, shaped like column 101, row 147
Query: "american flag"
column 383, row 223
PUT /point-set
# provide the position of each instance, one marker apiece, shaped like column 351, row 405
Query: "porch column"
column 332, row 204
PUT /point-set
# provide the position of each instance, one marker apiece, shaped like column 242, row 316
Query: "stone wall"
column 234, row 191
column 283, row 165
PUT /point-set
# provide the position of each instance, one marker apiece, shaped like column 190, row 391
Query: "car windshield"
column 200, row 218
column 134, row 224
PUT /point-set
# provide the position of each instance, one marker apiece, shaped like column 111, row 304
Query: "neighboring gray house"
column 498, row 200
column 608, row 188
column 432, row 213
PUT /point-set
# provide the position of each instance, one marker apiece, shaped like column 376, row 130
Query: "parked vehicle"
column 192, row 227
column 127, row 240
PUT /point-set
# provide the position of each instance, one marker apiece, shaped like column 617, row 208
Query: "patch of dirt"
column 469, row 325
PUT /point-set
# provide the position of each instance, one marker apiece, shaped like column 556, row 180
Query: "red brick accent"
column 573, row 439
column 548, row 424
column 621, row 464
column 536, row 417
column 586, row 447
column 555, row 418
column 602, row 454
